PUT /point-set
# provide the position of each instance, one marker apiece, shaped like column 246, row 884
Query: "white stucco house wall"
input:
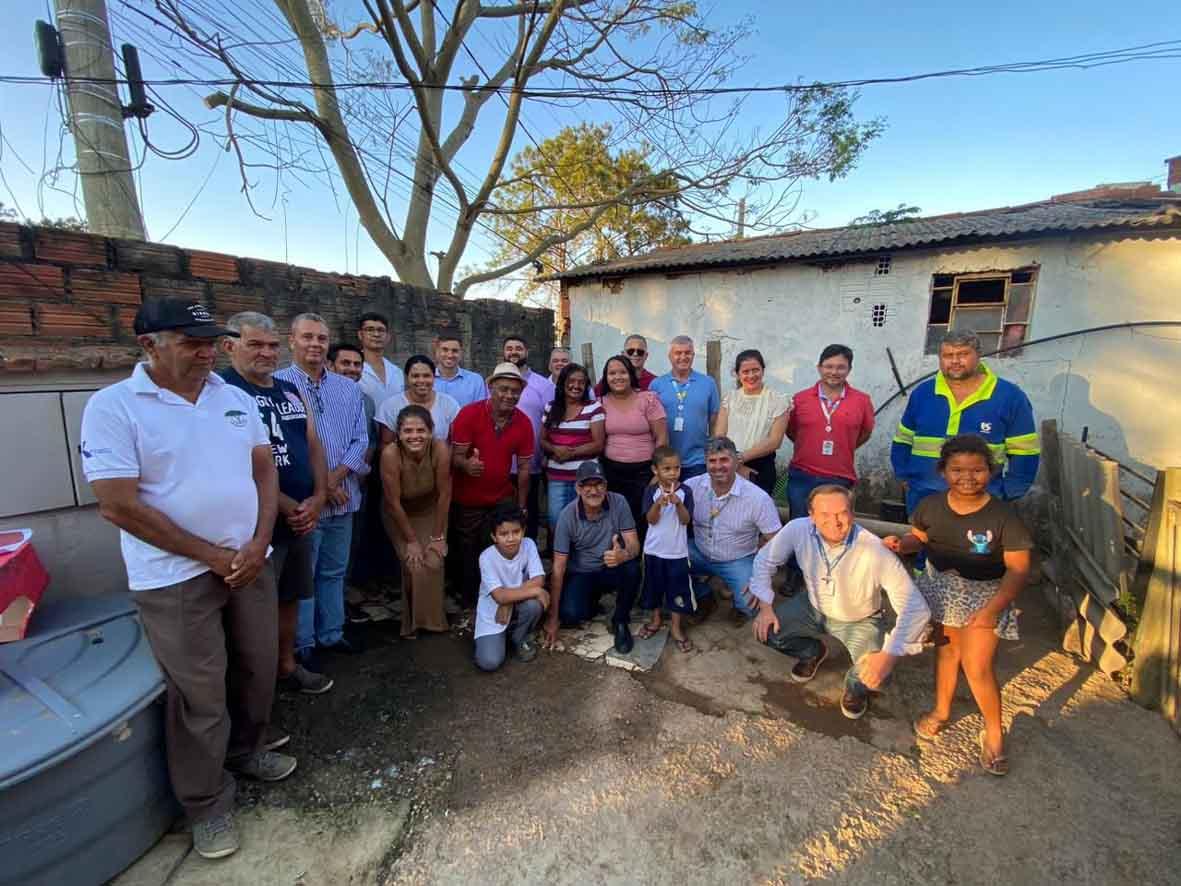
column 1103, row 257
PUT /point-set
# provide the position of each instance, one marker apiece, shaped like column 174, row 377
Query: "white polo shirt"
column 193, row 461
column 395, row 383
column 497, row 572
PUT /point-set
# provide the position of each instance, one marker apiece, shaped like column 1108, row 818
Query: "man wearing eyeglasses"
column 339, row 414
column 635, row 348
column 732, row 519
column 380, row 379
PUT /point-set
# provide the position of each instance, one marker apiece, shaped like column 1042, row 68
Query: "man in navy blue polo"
column 691, row 402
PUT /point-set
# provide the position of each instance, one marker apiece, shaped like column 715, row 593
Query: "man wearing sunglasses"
column 635, row 348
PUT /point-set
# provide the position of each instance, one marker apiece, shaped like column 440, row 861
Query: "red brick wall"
column 67, row 301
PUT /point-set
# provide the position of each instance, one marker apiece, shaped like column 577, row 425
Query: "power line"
column 1162, row 50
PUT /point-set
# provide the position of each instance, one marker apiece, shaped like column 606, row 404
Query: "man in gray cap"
column 485, row 438
column 180, row 461
column 596, row 551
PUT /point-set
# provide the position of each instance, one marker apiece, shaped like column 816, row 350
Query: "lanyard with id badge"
column 828, row 585
column 828, row 447
column 682, row 392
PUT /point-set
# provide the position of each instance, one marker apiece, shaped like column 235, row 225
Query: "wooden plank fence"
column 1089, row 565
column 1156, row 674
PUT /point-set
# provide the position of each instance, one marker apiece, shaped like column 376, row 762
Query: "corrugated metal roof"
column 958, row 228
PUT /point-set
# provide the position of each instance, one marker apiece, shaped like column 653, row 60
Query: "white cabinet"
column 35, row 472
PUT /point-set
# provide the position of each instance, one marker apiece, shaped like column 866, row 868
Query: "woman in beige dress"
column 416, row 479
column 755, row 418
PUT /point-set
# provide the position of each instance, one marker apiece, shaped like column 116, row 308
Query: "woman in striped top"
column 572, row 431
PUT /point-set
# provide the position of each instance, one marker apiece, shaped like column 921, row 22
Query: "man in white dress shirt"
column 845, row 568
column 380, row 379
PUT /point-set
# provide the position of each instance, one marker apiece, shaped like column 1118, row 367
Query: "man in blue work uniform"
column 965, row 397
column 691, row 402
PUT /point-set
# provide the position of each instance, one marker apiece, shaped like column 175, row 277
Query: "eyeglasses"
column 635, row 352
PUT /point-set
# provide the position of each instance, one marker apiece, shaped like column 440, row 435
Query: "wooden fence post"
column 588, row 361
column 713, row 362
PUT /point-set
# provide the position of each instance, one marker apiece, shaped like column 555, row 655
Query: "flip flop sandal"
column 998, row 765
column 648, row 631
column 685, row 645
column 929, row 728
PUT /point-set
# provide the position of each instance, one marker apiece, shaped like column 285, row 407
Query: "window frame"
column 935, row 331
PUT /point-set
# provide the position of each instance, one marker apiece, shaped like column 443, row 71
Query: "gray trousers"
column 492, row 648
column 218, row 650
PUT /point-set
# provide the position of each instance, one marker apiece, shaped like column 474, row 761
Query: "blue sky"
column 951, row 145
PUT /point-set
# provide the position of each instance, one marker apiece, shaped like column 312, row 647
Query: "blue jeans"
column 581, row 592
column 321, row 619
column 801, row 626
column 800, row 484
column 492, row 648
column 735, row 573
column 690, row 471
column 559, row 493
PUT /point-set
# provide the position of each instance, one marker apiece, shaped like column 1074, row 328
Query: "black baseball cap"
column 589, row 470
column 178, row 315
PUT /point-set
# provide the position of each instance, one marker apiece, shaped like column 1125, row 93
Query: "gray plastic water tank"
column 83, row 781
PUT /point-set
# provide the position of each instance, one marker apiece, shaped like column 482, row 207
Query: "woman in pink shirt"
column 636, row 425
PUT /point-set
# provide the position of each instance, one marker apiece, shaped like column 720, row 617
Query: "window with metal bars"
column 997, row 306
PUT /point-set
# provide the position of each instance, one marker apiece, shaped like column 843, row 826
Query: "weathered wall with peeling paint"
column 1122, row 385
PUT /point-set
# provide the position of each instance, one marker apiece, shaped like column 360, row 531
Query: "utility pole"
column 741, row 218
column 96, row 119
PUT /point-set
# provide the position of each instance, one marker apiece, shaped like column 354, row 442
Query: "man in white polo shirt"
column 845, row 570
column 180, row 461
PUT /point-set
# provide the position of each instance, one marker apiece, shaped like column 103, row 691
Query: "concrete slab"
column 158, row 864
column 281, row 847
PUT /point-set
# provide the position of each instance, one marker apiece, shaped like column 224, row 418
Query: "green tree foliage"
column 557, row 185
column 903, row 213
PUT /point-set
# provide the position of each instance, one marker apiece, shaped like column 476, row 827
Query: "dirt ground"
column 715, row 768
column 712, row 768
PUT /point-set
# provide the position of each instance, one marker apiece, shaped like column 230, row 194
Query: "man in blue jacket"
column 965, row 397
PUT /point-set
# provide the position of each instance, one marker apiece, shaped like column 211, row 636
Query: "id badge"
column 826, row 448
column 679, row 423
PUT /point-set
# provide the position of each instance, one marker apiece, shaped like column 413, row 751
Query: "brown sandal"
column 928, row 727
column 998, row 765
column 685, row 644
column 648, row 630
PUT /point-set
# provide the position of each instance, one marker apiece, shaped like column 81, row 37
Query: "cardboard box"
column 22, row 582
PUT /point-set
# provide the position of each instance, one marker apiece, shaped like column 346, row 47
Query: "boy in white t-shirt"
column 668, row 508
column 511, row 591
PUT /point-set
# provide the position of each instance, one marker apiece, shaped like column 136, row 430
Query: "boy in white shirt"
column 668, row 508
column 511, row 591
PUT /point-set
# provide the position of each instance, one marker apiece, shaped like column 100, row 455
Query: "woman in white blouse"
column 420, row 391
column 755, row 418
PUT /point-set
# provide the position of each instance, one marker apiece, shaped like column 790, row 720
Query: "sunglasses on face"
column 635, row 352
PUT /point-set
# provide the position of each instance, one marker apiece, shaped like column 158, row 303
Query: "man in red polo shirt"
column 829, row 421
column 484, row 438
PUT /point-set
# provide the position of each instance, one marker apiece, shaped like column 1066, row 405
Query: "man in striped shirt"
column 732, row 519
column 339, row 415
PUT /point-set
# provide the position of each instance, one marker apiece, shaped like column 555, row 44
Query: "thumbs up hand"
column 473, row 466
column 615, row 554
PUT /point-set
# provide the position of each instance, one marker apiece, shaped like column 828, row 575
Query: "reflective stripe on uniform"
column 955, row 410
column 903, row 435
column 927, row 447
column 1023, row 444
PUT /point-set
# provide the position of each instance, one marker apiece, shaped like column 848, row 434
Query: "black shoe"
column 623, row 638
column 805, row 669
column 357, row 615
column 275, row 738
column 854, row 704
column 343, row 646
